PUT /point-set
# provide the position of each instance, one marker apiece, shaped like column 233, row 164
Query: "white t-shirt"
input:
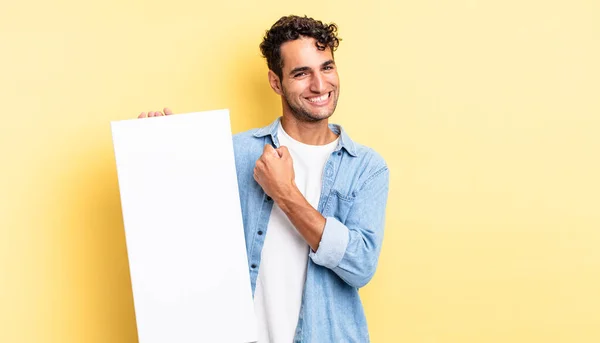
column 284, row 257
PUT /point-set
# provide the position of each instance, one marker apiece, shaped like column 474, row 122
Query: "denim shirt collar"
column 344, row 142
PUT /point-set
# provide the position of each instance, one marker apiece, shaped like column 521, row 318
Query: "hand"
column 156, row 114
column 274, row 172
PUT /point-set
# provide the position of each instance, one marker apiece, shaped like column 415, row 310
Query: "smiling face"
column 309, row 85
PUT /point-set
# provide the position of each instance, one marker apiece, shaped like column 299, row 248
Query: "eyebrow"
column 326, row 63
column 299, row 69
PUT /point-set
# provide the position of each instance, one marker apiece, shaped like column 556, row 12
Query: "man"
column 313, row 201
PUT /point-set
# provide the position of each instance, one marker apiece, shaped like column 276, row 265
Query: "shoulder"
column 362, row 158
column 246, row 141
column 365, row 167
column 247, row 149
column 245, row 136
column 369, row 157
column 371, row 162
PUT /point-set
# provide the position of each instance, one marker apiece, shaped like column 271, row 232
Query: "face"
column 310, row 85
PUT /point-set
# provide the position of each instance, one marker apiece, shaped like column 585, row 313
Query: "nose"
column 317, row 84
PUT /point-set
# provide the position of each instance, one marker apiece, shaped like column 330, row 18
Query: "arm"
column 350, row 249
column 274, row 172
column 308, row 221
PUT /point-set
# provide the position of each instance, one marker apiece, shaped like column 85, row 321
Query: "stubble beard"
column 302, row 114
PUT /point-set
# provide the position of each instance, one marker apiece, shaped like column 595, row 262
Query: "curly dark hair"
column 293, row 27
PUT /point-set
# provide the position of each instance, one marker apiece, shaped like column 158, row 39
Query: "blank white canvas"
column 183, row 228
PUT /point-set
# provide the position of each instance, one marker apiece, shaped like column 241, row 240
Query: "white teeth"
column 319, row 99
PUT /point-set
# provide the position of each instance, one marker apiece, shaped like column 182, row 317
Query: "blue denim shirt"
column 353, row 200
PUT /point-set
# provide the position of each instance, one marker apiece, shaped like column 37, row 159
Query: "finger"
column 283, row 151
column 255, row 176
column 158, row 114
column 142, row 115
column 260, row 164
column 150, row 114
column 168, row 111
column 269, row 151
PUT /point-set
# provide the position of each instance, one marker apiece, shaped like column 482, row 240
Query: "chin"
column 315, row 117
column 305, row 113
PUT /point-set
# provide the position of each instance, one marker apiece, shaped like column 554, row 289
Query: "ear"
column 275, row 82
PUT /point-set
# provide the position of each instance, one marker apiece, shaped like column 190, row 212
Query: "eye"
column 300, row 74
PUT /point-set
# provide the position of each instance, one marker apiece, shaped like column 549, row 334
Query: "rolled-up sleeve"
column 333, row 244
column 351, row 249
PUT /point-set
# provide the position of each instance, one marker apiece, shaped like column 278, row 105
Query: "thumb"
column 269, row 150
column 283, row 151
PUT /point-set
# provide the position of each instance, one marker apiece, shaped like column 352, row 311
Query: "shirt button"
column 260, row 233
column 253, row 266
column 269, row 198
column 339, row 153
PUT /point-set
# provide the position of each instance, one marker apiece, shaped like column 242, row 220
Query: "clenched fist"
column 274, row 172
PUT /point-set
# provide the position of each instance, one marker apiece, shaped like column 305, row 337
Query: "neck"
column 311, row 133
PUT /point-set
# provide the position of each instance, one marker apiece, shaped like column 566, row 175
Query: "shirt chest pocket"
column 338, row 206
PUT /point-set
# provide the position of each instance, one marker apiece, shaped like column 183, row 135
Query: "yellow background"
column 486, row 111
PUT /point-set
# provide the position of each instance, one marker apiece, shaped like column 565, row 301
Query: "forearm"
column 308, row 221
column 351, row 244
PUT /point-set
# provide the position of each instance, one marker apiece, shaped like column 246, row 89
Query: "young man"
column 313, row 201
